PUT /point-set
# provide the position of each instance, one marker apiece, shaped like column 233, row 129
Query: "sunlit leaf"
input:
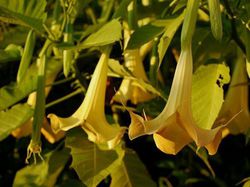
column 207, row 93
column 131, row 172
column 116, row 69
column 109, row 33
column 24, row 12
column 90, row 162
column 143, row 35
column 13, row 118
column 45, row 173
column 91, row 29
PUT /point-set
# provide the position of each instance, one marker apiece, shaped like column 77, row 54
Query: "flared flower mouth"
column 175, row 127
column 90, row 115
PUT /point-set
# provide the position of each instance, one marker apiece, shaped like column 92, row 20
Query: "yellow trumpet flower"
column 90, row 115
column 129, row 88
column 236, row 102
column 175, row 127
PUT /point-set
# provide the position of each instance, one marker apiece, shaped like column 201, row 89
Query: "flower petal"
column 136, row 127
column 105, row 134
column 64, row 124
column 91, row 115
column 172, row 138
column 49, row 134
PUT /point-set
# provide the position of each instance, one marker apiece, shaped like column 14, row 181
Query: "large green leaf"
column 24, row 12
column 131, row 173
column 45, row 173
column 13, row 118
column 12, row 93
column 91, row 163
column 143, row 35
column 207, row 93
column 108, row 34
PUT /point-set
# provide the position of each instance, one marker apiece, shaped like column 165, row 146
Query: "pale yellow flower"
column 90, row 115
column 129, row 88
column 175, row 127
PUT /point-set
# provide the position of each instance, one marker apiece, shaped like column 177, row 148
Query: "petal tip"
column 55, row 126
column 136, row 127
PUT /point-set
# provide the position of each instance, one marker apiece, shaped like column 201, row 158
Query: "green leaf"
column 44, row 174
column 143, row 35
column 108, row 34
column 27, row 55
column 10, row 53
column 116, row 69
column 14, row 118
column 131, row 172
column 90, row 29
column 91, row 163
column 207, row 93
column 12, row 93
column 171, row 27
column 28, row 13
